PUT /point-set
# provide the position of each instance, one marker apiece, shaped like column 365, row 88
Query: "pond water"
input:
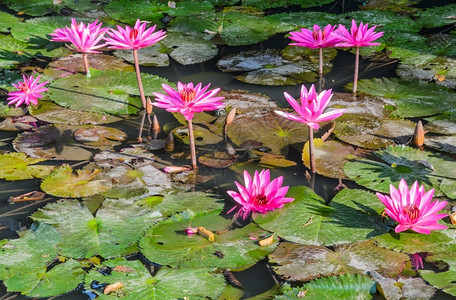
column 261, row 277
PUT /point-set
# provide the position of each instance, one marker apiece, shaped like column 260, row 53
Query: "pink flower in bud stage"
column 417, row 260
column 259, row 194
column 315, row 38
column 133, row 38
column 413, row 209
column 310, row 111
column 29, row 91
column 188, row 99
column 361, row 36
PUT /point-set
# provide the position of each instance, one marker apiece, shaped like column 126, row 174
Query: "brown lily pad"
column 217, row 160
column 25, row 122
column 100, row 137
column 244, row 101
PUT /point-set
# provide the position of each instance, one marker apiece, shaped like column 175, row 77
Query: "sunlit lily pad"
column 100, row 137
column 268, row 160
column 64, row 183
column 402, row 162
column 166, row 243
column 413, row 98
column 405, row 6
column 334, row 287
column 7, row 21
column 113, row 232
column 202, row 135
column 150, row 56
column 291, row 21
column 12, row 52
column 31, row 7
column 50, row 112
column 168, row 283
column 442, row 143
column 129, row 11
column 244, row 101
column 104, row 91
column 386, row 20
column 268, row 68
column 408, row 47
column 272, row 130
column 437, row 16
column 445, row 278
column 17, row 166
column 304, row 262
column 72, row 64
column 352, row 215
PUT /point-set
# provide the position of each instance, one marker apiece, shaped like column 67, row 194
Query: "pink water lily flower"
column 359, row 36
column 310, row 111
column 29, row 91
column 259, row 194
column 188, row 99
column 316, row 38
column 133, row 38
column 413, row 209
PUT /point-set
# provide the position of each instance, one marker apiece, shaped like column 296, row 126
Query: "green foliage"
column 17, row 166
column 7, row 21
column 445, row 278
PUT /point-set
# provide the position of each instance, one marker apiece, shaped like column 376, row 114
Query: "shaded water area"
column 262, row 276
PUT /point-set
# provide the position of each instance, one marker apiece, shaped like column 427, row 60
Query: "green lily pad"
column 150, row 56
column 244, row 101
column 12, row 52
column 402, row 162
column 7, row 21
column 17, row 166
column 274, row 4
column 407, row 46
column 7, row 78
column 31, row 7
column 445, row 279
column 291, row 21
column 334, row 287
column 114, row 230
column 166, row 243
column 297, row 262
column 437, row 16
column 168, row 283
column 186, row 7
column 330, row 157
column 352, row 215
column 129, row 11
column 72, row 64
column 62, row 182
column 413, row 98
column 202, row 135
column 50, row 112
column 100, row 137
column 272, row 130
column 402, row 7
column 296, row 53
column 386, row 20
column 103, row 91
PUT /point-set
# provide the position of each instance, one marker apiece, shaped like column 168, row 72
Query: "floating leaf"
column 31, row 7
column 271, row 160
column 387, row 21
column 113, row 232
column 244, row 101
column 166, row 243
column 7, row 21
column 437, row 16
column 334, row 287
column 273, row 4
column 168, row 283
column 217, row 159
column 17, row 166
column 444, row 279
column 290, row 21
column 12, row 52
column 129, row 11
column 202, row 135
column 62, row 182
column 297, row 262
column 272, row 130
column 7, row 78
column 50, row 112
column 100, row 137
column 402, row 162
column 150, row 56
column 25, row 122
column 405, row 6
column 352, row 215
column 103, row 91
column 330, row 157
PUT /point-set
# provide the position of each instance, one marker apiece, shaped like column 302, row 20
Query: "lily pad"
column 274, row 4
column 62, row 182
column 413, row 98
column 352, row 215
column 17, row 166
column 330, row 157
column 50, row 112
column 25, row 122
column 100, row 137
column 334, row 287
column 386, row 20
column 297, row 262
column 129, row 11
column 7, row 21
column 445, row 279
column 442, row 143
column 268, row 128
column 290, row 21
column 103, row 91
column 217, row 159
column 244, row 101
column 168, row 283
column 12, row 52
column 31, row 7
column 202, row 135
column 113, row 232
column 150, row 56
column 166, row 243
column 437, row 16
column 405, row 6
column 402, row 162
column 7, row 78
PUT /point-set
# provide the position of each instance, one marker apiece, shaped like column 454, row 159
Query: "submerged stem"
column 138, row 78
column 355, row 79
column 311, row 151
column 86, row 63
column 192, row 143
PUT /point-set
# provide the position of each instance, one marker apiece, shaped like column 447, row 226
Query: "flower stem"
column 320, row 71
column 192, row 143
column 138, row 78
column 311, row 151
column 86, row 63
column 355, row 79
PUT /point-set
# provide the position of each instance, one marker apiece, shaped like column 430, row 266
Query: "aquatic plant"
column 315, row 39
column 310, row 112
column 29, row 91
column 259, row 194
column 84, row 38
column 187, row 100
column 359, row 36
column 413, row 209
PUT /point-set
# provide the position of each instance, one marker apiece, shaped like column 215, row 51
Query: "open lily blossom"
column 133, row 38
column 413, row 209
column 28, row 92
column 259, row 194
column 310, row 111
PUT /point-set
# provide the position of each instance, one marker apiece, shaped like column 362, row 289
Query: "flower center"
column 23, row 87
column 260, row 199
column 187, row 95
column 133, row 34
column 316, row 34
column 412, row 211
